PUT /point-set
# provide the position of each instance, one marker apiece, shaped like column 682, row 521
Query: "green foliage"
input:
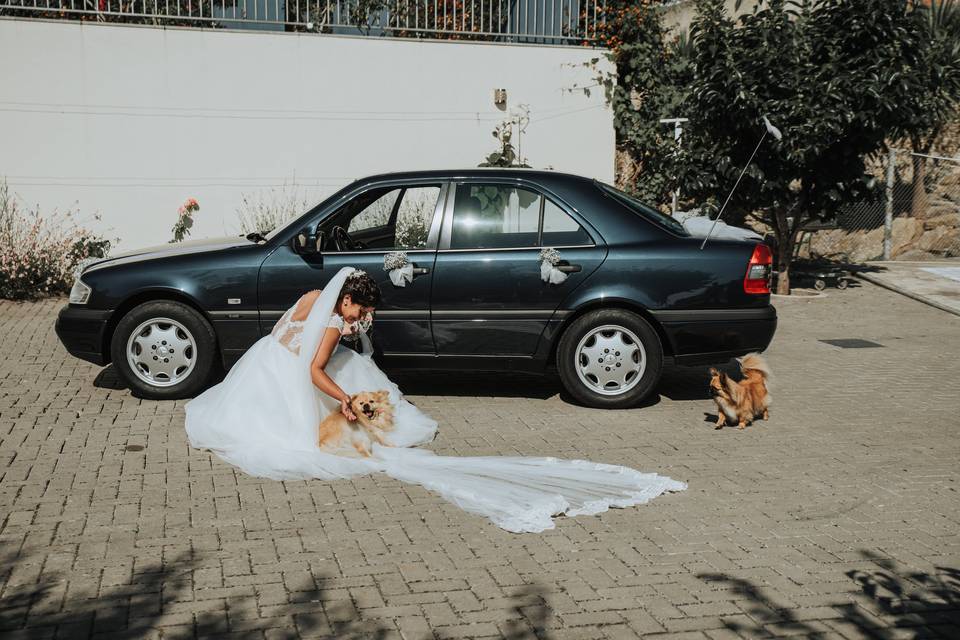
column 838, row 77
column 933, row 75
column 506, row 155
column 829, row 77
column 653, row 78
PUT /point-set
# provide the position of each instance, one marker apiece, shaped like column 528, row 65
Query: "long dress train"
column 263, row 418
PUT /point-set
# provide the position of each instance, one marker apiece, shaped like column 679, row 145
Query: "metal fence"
column 570, row 22
column 916, row 217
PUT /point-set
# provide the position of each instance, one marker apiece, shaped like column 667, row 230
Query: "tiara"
column 357, row 273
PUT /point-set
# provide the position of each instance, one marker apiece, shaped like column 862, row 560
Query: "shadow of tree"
column 894, row 604
column 530, row 615
column 162, row 595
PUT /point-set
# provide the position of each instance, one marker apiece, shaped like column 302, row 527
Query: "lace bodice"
column 289, row 332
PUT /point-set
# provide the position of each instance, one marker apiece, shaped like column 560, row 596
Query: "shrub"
column 39, row 254
column 265, row 211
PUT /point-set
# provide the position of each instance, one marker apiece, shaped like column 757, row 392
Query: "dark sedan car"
column 638, row 290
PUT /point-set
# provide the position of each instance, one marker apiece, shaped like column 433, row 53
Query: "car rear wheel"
column 610, row 359
column 164, row 350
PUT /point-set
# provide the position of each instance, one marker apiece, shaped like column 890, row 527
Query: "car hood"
column 168, row 251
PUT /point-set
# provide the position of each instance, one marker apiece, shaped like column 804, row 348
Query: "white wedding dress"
column 263, row 418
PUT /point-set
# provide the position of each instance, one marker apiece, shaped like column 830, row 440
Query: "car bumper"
column 81, row 332
column 716, row 335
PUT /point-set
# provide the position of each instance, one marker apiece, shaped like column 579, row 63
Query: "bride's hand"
column 346, row 410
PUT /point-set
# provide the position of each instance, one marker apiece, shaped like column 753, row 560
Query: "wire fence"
column 559, row 22
column 916, row 217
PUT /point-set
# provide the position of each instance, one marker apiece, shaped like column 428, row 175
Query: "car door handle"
column 420, row 271
column 569, row 268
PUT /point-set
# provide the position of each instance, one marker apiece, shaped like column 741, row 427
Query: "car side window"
column 493, row 216
column 414, row 217
column 559, row 229
column 376, row 214
column 388, row 218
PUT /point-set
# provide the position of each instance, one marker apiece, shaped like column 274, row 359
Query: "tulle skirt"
column 254, row 419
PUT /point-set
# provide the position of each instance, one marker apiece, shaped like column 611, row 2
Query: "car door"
column 488, row 297
column 390, row 217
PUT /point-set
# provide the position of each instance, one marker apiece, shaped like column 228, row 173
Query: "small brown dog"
column 743, row 401
column 374, row 417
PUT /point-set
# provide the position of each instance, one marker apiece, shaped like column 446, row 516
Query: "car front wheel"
column 164, row 350
column 610, row 359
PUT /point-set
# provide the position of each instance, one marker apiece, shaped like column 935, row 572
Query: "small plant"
column 40, row 254
column 263, row 212
column 506, row 156
column 185, row 220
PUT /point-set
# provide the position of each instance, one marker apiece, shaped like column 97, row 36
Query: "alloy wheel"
column 161, row 352
column 610, row 360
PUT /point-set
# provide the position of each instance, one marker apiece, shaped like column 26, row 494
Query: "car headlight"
column 80, row 292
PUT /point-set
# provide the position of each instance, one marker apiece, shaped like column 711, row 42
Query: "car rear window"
column 651, row 214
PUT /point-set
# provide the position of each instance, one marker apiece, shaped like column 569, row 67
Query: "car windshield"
column 291, row 222
column 644, row 210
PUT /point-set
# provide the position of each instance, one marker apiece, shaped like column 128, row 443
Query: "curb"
column 914, row 296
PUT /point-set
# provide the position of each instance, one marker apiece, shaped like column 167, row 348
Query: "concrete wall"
column 130, row 121
column 678, row 16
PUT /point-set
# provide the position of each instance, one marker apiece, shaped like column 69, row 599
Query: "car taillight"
column 757, row 280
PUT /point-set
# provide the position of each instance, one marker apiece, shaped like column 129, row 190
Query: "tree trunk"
column 785, row 231
column 785, row 241
column 918, row 202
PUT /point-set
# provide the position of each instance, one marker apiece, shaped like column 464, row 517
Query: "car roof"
column 474, row 172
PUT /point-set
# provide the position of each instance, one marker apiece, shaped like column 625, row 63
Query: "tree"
column 828, row 73
column 935, row 79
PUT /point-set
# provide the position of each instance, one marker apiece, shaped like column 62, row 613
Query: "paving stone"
column 837, row 518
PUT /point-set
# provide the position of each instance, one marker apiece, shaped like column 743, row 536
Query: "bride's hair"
column 363, row 290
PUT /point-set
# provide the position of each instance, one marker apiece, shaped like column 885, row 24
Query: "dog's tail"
column 755, row 362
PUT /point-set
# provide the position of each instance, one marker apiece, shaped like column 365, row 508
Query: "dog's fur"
column 743, row 401
column 374, row 418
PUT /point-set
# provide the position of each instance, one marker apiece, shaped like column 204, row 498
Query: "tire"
column 842, row 283
column 183, row 345
column 820, row 284
column 587, row 336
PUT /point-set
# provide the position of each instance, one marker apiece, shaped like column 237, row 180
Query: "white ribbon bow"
column 400, row 277
column 550, row 274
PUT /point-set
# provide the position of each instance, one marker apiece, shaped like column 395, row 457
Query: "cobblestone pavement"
column 839, row 518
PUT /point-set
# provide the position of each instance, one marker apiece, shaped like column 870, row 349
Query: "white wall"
column 127, row 122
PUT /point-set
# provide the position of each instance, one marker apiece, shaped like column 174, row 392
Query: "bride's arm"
column 319, row 376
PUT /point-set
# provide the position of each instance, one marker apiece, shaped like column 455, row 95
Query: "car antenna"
column 768, row 128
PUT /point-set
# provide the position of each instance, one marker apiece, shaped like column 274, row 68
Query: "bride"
column 263, row 418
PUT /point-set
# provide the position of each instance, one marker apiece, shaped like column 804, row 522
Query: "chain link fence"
column 917, row 216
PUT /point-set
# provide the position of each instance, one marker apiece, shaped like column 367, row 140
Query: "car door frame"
column 453, row 182
column 316, row 221
column 443, row 246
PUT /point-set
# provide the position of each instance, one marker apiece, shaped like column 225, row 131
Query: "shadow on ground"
column 108, row 379
column 153, row 597
column 893, row 603
column 677, row 383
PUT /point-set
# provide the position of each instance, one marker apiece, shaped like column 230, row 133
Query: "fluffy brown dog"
column 374, row 417
column 743, row 401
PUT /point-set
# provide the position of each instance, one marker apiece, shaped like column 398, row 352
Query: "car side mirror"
column 306, row 243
